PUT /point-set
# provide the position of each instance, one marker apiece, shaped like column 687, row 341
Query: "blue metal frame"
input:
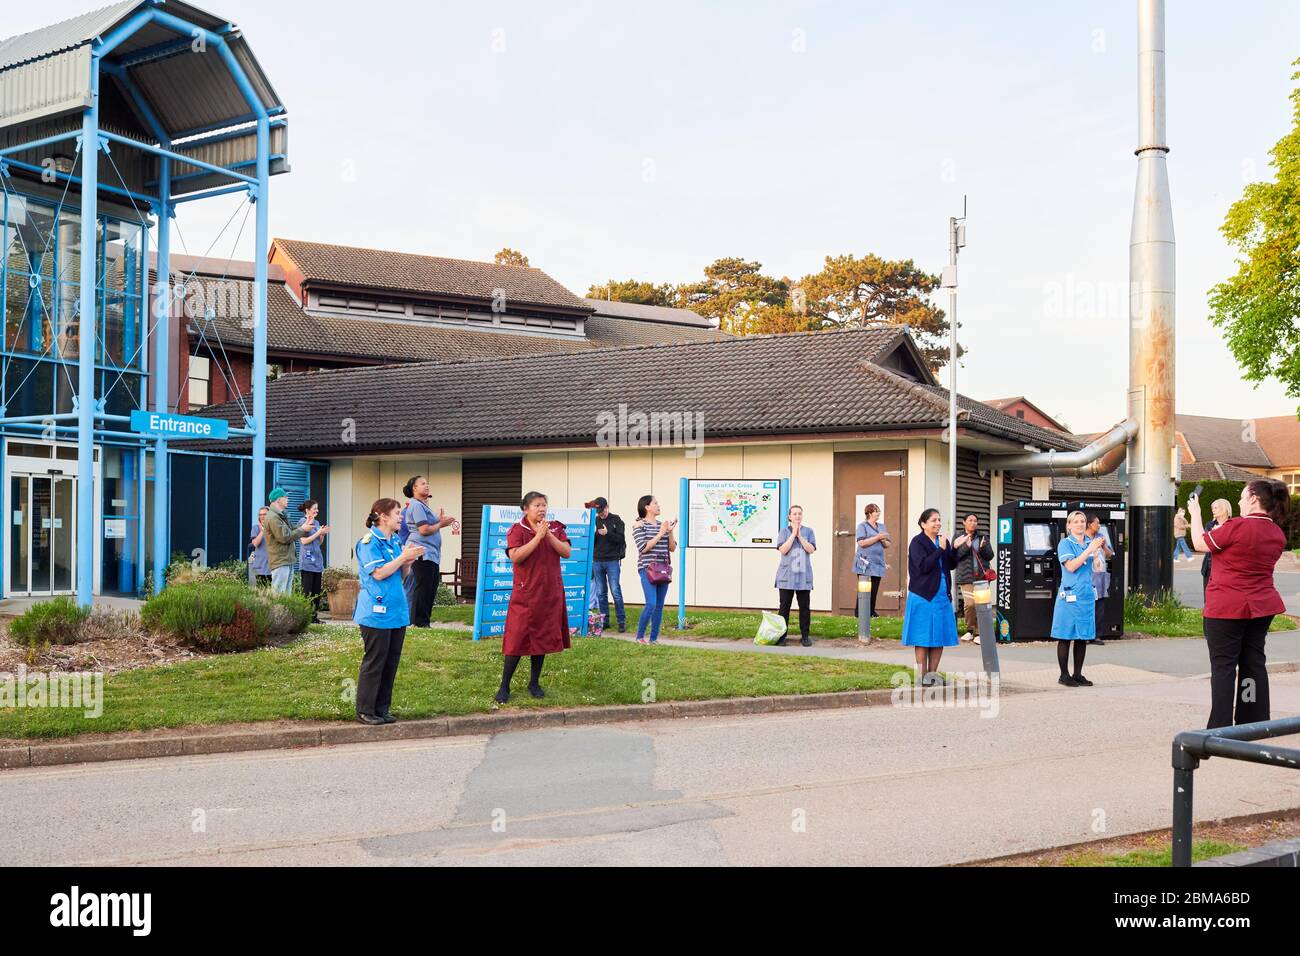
column 91, row 140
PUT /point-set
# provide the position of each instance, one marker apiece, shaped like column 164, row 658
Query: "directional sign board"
column 496, row 572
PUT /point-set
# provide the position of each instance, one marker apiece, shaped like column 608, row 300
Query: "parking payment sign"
column 496, row 573
column 1004, row 531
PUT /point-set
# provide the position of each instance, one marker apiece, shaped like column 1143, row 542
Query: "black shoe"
column 1081, row 680
column 1099, row 642
column 806, row 641
column 780, row 641
column 622, row 628
column 536, row 690
column 502, row 695
column 387, row 717
column 372, row 720
column 1068, row 681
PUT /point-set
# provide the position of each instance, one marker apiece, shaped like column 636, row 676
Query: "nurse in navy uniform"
column 381, row 609
column 929, row 623
column 1074, row 620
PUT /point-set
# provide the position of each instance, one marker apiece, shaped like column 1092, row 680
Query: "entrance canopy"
column 161, row 84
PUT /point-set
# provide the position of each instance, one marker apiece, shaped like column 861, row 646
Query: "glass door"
column 20, row 534
column 43, row 534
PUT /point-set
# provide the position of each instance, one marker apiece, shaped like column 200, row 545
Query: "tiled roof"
column 432, row 275
column 1222, row 439
column 1215, row 471
column 741, row 386
column 996, row 422
column 291, row 330
column 1279, row 436
column 648, row 313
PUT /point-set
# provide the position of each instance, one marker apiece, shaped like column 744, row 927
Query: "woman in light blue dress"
column 929, row 622
column 869, row 561
column 1073, row 615
column 794, row 576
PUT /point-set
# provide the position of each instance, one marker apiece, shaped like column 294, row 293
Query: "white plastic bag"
column 771, row 629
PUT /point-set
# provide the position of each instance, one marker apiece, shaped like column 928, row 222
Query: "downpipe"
column 1099, row 457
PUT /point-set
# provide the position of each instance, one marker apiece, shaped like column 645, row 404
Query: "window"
column 200, row 381
column 1292, row 481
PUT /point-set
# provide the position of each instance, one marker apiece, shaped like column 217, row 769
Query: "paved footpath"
column 883, row 785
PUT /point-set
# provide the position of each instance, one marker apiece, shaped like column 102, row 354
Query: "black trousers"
column 424, row 591
column 875, row 590
column 805, row 609
column 311, row 587
column 378, row 668
column 1237, row 672
column 1098, row 612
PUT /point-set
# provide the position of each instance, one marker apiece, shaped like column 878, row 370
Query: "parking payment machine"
column 1028, row 572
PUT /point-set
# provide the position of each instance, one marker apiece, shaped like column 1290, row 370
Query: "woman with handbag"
column 974, row 563
column 794, row 576
column 654, row 541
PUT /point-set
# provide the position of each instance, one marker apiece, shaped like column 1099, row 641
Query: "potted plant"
column 342, row 585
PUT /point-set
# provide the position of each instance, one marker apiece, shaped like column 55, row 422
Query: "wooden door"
column 878, row 476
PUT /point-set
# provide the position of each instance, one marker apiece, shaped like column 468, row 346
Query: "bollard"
column 864, row 610
column 984, row 617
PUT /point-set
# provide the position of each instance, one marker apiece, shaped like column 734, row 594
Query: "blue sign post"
column 496, row 573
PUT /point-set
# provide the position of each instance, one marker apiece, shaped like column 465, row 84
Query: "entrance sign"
column 166, row 425
column 496, row 572
column 728, row 513
column 732, row 513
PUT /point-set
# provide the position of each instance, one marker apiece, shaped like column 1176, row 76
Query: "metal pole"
column 864, row 609
column 952, row 391
column 1185, row 764
column 259, row 313
column 1151, row 324
column 89, row 271
column 162, row 306
column 987, row 629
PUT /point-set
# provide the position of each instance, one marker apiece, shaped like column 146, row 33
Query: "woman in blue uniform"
column 869, row 561
column 929, row 623
column 381, row 609
column 1073, row 616
column 311, row 560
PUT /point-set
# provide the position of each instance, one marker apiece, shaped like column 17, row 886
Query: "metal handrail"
column 1193, row 746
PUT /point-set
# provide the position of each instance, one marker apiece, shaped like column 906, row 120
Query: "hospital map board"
column 496, row 574
column 733, row 513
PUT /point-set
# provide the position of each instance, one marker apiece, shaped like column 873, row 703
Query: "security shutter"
column 295, row 478
column 486, row 481
column 972, row 490
column 1017, row 489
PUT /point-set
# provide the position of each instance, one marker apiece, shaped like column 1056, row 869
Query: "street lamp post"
column 956, row 241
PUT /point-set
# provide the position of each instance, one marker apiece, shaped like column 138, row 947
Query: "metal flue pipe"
column 1099, row 457
column 1151, row 459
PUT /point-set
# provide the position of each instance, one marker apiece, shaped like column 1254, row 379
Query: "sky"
column 648, row 139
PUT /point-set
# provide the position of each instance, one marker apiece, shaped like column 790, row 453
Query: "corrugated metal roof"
column 46, row 72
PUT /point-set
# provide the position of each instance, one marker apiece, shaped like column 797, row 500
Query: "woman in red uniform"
column 1241, row 599
column 536, row 621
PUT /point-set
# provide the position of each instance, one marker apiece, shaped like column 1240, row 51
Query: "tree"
column 737, row 295
column 1258, row 307
column 851, row 293
column 635, row 290
column 510, row 257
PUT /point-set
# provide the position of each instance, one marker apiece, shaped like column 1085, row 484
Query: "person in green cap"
column 280, row 536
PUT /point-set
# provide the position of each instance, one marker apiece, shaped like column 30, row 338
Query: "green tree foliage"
column 1258, row 307
column 737, row 296
column 852, row 292
column 510, row 257
column 637, row 291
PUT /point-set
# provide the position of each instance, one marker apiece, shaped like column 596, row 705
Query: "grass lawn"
column 442, row 672
column 733, row 625
column 1201, row 850
column 1187, row 623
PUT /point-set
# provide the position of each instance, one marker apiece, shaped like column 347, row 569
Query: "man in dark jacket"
column 974, row 557
column 610, row 548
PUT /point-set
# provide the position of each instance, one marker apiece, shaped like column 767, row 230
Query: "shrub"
column 56, row 621
column 333, row 575
column 445, row 596
column 220, row 615
column 104, row 623
column 1165, row 607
